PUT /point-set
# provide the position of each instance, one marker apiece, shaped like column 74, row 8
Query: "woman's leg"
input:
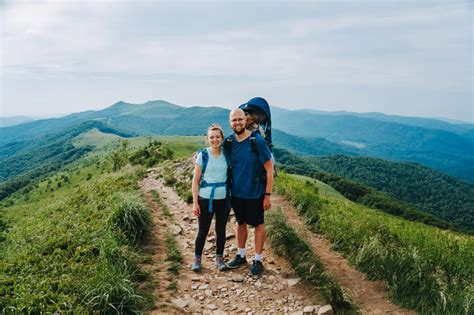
column 222, row 214
column 204, row 221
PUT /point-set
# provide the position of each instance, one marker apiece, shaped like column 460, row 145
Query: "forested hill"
column 435, row 193
column 439, row 149
column 25, row 161
column 309, row 145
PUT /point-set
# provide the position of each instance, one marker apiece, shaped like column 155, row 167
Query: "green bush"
column 130, row 215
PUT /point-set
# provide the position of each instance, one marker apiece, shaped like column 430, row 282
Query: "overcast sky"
column 403, row 57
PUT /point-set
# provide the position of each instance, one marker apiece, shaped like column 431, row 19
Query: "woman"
column 209, row 196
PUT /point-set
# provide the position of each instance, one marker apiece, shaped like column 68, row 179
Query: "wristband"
column 268, row 194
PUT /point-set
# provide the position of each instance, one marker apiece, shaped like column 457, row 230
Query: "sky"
column 411, row 58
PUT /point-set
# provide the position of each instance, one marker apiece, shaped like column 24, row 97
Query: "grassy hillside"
column 426, row 269
column 380, row 197
column 71, row 242
column 426, row 189
column 64, row 249
column 25, row 162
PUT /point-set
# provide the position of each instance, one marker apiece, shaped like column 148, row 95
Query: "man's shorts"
column 249, row 211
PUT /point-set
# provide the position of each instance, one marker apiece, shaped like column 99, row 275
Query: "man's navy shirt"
column 245, row 167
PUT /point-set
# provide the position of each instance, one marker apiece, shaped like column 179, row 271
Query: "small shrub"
column 130, row 215
column 170, row 180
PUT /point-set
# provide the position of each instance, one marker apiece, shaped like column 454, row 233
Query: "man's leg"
column 259, row 238
column 240, row 215
column 241, row 235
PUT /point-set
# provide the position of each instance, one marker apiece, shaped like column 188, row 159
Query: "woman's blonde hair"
column 216, row 127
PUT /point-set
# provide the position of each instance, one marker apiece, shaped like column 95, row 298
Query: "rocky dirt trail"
column 370, row 296
column 277, row 291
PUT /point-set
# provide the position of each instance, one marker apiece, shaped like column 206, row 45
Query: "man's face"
column 237, row 122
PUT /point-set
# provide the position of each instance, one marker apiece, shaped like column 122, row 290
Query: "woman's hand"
column 196, row 210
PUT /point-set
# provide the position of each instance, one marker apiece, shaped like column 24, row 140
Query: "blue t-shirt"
column 245, row 167
column 216, row 172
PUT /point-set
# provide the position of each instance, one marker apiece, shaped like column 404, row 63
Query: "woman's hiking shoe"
column 237, row 262
column 257, row 268
column 220, row 263
column 196, row 266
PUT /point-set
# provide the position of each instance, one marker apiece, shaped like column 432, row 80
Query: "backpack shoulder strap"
column 205, row 160
column 227, row 145
column 253, row 143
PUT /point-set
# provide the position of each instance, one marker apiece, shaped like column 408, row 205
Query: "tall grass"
column 71, row 252
column 427, row 269
column 130, row 216
column 286, row 242
column 112, row 290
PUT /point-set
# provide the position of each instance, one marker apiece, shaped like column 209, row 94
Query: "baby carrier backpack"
column 257, row 111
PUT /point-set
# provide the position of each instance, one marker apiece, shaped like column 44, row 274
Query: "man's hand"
column 267, row 203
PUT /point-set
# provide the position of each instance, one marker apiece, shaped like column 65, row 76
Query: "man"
column 252, row 180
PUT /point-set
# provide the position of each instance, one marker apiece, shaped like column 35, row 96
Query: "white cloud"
column 165, row 43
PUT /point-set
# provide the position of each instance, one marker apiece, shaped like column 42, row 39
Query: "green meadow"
column 72, row 240
column 426, row 269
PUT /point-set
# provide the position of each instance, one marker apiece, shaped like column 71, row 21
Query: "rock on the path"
column 203, row 287
column 230, row 236
column 292, row 282
column 310, row 309
column 176, row 229
column 237, row 278
column 208, row 246
column 208, row 293
column 179, row 303
column 211, row 307
column 325, row 310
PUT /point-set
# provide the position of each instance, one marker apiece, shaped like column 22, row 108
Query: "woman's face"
column 214, row 138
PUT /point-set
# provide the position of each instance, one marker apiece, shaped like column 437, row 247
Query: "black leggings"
column 219, row 207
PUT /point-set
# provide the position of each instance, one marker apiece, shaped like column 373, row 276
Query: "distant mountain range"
column 434, row 143
column 448, row 151
column 15, row 120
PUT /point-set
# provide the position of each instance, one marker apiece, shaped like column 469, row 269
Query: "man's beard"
column 241, row 131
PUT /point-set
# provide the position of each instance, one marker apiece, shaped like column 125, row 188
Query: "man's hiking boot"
column 257, row 268
column 237, row 262
column 220, row 263
column 196, row 266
